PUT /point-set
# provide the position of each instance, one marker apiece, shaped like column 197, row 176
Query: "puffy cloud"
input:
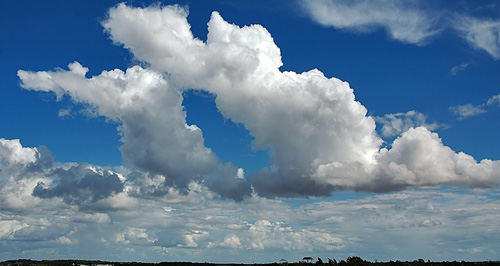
column 404, row 21
column 312, row 125
column 32, row 175
column 153, row 123
column 241, row 67
column 12, row 152
column 80, row 183
column 318, row 136
column 320, row 139
column 417, row 158
column 395, row 124
column 9, row 228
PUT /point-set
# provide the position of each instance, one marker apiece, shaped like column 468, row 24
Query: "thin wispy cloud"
column 482, row 34
column 404, row 21
column 459, row 68
column 407, row 21
column 469, row 110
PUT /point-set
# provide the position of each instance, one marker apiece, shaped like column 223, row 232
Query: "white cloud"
column 318, row 136
column 493, row 100
column 153, row 123
column 408, row 21
column 241, row 67
column 469, row 110
column 9, row 228
column 11, row 153
column 459, row 68
column 481, row 33
column 417, row 158
column 404, row 21
column 395, row 124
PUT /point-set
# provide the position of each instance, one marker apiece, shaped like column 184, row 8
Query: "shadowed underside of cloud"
column 407, row 21
column 318, row 136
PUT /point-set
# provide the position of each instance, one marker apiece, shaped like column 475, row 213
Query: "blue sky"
column 161, row 131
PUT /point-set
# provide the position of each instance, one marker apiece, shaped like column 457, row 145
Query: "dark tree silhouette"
column 332, row 262
column 307, row 259
column 355, row 261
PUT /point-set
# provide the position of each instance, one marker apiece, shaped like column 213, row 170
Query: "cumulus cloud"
column 33, row 177
column 395, row 124
column 404, row 21
column 241, row 67
column 318, row 136
column 81, row 183
column 166, row 198
column 152, row 120
column 417, row 158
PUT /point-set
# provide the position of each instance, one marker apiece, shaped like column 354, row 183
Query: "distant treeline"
column 307, row 261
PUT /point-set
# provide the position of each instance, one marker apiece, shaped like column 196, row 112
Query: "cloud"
column 32, row 175
column 469, row 110
column 466, row 110
column 169, row 195
column 241, row 67
column 482, row 34
column 318, row 136
column 417, row 158
column 204, row 227
column 493, row 100
column 81, row 183
column 395, row 124
column 405, row 21
column 12, row 153
column 459, row 68
column 409, row 21
column 152, row 120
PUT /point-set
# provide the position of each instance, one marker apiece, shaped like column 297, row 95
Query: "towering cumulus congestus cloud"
column 318, row 136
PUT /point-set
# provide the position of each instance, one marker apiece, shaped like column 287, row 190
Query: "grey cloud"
column 290, row 183
column 225, row 182
column 81, row 183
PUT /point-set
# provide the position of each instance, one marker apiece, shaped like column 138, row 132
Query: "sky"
column 249, row 131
